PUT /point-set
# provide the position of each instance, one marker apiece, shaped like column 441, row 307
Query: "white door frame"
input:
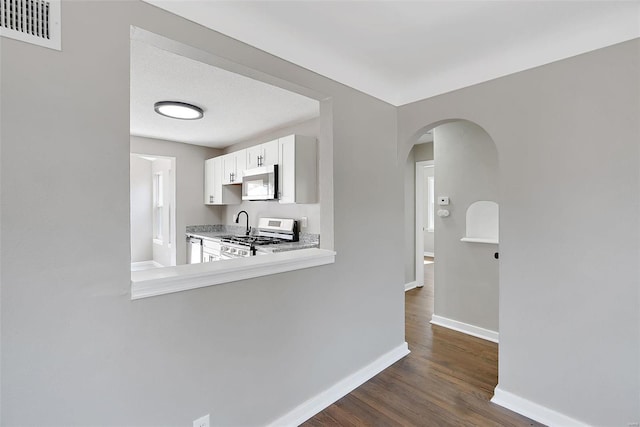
column 419, row 226
column 173, row 244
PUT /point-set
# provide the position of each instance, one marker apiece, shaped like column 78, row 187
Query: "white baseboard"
column 533, row 410
column 326, row 398
column 410, row 285
column 141, row 265
column 431, row 254
column 465, row 328
column 145, row 263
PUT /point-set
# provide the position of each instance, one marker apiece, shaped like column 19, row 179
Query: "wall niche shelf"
column 482, row 223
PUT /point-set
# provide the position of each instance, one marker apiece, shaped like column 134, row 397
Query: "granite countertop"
column 307, row 240
column 283, row 247
column 209, row 234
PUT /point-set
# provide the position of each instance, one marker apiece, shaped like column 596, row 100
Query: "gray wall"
column 141, row 213
column 307, row 128
column 418, row 153
column 275, row 209
column 75, row 349
column 190, row 207
column 466, row 274
column 567, row 138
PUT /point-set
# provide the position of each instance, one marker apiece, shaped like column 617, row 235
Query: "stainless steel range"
column 269, row 231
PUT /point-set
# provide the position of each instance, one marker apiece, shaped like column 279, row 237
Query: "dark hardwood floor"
column 446, row 380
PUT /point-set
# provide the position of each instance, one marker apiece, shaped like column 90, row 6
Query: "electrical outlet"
column 304, row 222
column 202, row 421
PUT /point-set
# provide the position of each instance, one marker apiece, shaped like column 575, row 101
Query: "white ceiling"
column 404, row 51
column 235, row 107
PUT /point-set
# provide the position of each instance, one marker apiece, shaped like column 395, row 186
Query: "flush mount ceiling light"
column 178, row 110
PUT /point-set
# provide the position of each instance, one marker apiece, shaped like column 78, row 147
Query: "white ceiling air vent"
column 31, row 21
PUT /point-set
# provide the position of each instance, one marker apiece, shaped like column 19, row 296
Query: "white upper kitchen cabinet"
column 253, row 156
column 263, row 155
column 297, row 169
column 214, row 192
column 270, row 152
column 211, row 166
column 233, row 165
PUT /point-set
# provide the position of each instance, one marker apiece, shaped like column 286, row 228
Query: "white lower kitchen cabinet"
column 210, row 250
column 298, row 169
column 215, row 193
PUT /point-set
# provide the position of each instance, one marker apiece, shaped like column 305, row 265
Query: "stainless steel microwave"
column 260, row 183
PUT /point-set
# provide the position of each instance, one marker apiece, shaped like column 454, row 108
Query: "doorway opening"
column 448, row 207
column 458, row 206
column 153, row 212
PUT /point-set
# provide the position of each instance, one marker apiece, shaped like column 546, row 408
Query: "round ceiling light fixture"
column 178, row 110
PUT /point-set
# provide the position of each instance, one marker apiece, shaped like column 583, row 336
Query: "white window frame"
column 158, row 207
column 420, row 194
column 431, row 204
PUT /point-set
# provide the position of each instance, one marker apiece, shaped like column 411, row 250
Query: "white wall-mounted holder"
column 482, row 223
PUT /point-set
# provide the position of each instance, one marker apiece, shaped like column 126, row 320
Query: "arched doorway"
column 466, row 274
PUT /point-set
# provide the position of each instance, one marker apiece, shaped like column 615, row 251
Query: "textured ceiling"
column 235, row 107
column 403, row 51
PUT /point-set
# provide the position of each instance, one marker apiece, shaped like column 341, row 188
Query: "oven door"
column 260, row 183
